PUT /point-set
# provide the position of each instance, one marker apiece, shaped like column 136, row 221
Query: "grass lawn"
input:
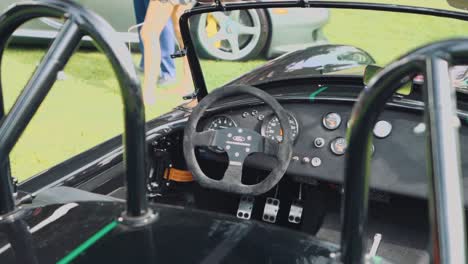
column 86, row 109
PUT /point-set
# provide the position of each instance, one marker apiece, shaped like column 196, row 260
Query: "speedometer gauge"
column 271, row 128
column 221, row 122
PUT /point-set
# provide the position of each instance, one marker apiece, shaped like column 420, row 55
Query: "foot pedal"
column 245, row 207
column 295, row 212
column 271, row 210
column 375, row 245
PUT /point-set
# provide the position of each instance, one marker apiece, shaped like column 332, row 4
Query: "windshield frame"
column 189, row 49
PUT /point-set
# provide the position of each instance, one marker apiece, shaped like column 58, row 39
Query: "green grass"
column 383, row 35
column 80, row 112
column 86, row 109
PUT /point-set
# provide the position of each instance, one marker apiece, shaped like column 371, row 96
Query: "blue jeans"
column 167, row 40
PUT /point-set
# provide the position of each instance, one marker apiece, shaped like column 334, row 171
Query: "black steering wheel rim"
column 283, row 152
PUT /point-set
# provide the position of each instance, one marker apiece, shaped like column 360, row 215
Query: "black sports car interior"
column 276, row 152
column 312, row 184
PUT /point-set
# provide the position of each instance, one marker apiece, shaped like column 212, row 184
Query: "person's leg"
column 156, row 18
column 167, row 40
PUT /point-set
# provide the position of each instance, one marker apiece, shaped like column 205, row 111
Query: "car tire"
column 249, row 45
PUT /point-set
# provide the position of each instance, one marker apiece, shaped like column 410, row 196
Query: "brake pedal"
column 244, row 211
column 295, row 212
column 271, row 210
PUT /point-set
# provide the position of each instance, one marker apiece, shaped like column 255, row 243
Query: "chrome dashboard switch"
column 244, row 211
column 319, row 142
column 271, row 209
column 382, row 129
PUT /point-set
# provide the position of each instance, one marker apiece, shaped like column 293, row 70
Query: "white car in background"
column 262, row 37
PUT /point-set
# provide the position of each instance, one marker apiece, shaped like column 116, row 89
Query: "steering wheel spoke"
column 233, row 173
column 205, row 138
column 270, row 147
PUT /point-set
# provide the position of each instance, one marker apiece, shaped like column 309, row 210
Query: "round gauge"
column 218, row 123
column 338, row 146
column 221, row 122
column 271, row 128
column 331, row 121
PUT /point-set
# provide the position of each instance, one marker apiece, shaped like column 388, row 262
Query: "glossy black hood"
column 312, row 61
column 179, row 235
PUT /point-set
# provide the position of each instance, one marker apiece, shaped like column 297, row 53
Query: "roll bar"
column 444, row 170
column 79, row 22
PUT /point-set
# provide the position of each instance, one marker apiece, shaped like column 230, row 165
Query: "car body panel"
column 301, row 32
column 312, row 61
column 41, row 31
column 179, row 235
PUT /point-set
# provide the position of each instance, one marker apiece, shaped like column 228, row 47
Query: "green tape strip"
column 88, row 243
column 314, row 94
column 377, row 260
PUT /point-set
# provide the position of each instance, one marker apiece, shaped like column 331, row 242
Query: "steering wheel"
column 238, row 144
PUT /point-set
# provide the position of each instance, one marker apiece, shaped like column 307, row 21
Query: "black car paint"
column 180, row 235
column 304, row 63
column 81, row 168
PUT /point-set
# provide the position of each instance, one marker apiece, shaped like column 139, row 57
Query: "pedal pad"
column 295, row 212
column 271, row 210
column 375, row 244
column 245, row 207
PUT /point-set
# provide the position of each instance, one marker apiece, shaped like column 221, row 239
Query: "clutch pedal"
column 245, row 207
column 271, row 210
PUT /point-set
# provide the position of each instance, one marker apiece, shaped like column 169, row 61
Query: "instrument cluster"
column 318, row 134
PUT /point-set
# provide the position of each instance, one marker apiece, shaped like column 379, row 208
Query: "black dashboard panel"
column 398, row 163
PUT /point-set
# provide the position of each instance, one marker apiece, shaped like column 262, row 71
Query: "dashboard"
column 319, row 143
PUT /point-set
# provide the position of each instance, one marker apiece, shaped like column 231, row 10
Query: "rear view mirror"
column 372, row 70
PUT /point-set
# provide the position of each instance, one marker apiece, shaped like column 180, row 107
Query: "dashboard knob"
column 316, row 161
column 305, row 160
column 319, row 142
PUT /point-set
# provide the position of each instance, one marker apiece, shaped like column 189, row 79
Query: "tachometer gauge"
column 221, row 122
column 218, row 123
column 271, row 128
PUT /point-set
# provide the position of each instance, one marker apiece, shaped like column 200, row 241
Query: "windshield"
column 312, row 41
